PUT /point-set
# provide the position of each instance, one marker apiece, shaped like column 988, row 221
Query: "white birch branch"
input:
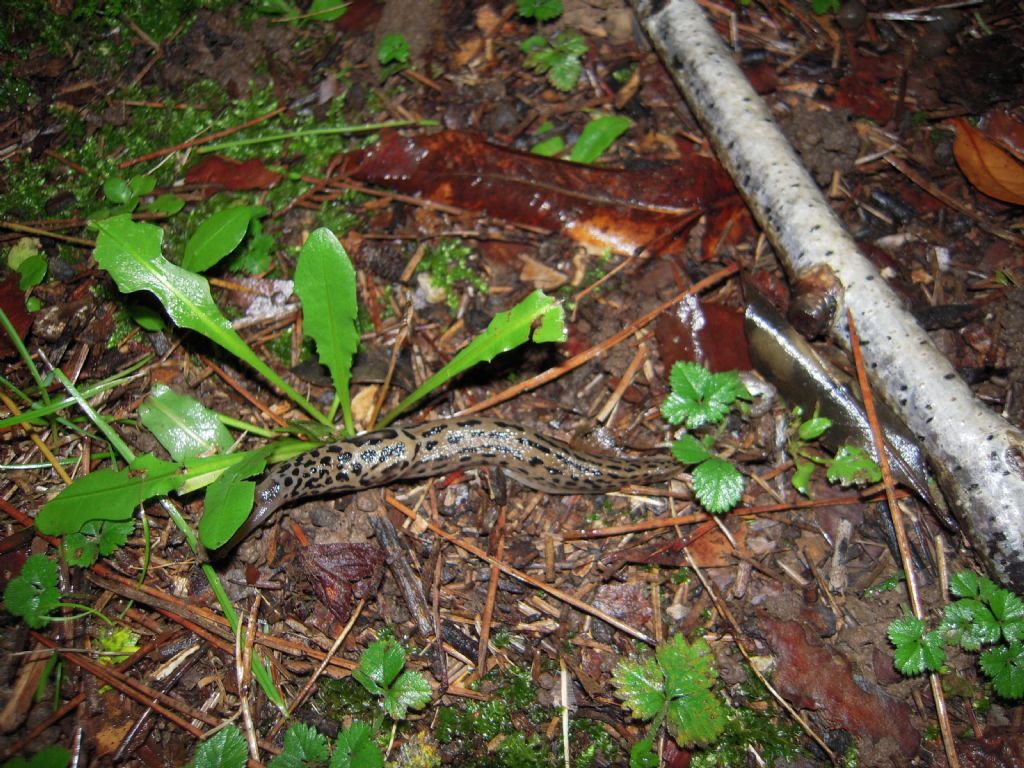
column 977, row 455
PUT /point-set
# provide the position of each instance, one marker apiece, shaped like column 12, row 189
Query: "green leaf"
column 225, row 749
column 32, row 271
column 814, row 428
column 229, row 498
column 598, row 135
column 130, row 252
column 700, row 397
column 537, row 316
column 117, row 190
column 852, row 465
column 327, row 10
column 642, row 754
column 379, row 665
column 216, row 237
column 916, row 651
column 1005, row 665
column 325, row 281
column 393, row 48
column 541, row 10
column 184, row 426
column 641, row 686
column 167, row 204
column 410, row 691
column 303, row 744
column 119, row 640
column 689, row 450
column 560, row 60
column 695, row 715
column 48, row 757
column 549, row 147
column 142, row 185
column 971, row 623
column 718, row 485
column 96, row 538
column 355, row 749
column 147, row 317
column 107, row 494
column 965, row 584
column 32, row 594
column 802, row 477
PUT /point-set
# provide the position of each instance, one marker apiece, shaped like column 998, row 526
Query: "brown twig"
column 901, row 534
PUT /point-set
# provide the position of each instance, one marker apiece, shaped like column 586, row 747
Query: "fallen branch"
column 978, row 456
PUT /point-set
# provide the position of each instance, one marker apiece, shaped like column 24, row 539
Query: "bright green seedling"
column 225, row 749
column 184, row 426
column 130, row 252
column 95, row 538
column 33, row 594
column 537, row 317
column 125, row 194
column 699, row 398
column 597, row 137
column 380, row 673
column 539, row 10
column 560, row 59
column 393, row 55
column 985, row 615
column 25, row 258
column 850, row 466
column 672, row 688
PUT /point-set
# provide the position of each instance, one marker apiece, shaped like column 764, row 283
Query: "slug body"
column 439, row 447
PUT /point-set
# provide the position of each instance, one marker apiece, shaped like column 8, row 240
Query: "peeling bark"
column 978, row 456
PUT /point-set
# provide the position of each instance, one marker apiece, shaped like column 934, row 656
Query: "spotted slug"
column 439, row 447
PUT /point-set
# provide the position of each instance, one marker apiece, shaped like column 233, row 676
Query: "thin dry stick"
column 43, row 447
column 492, row 593
column 737, row 633
column 301, row 696
column 243, row 662
column 515, row 573
column 587, row 355
column 231, row 382
column 27, row 230
column 901, row 536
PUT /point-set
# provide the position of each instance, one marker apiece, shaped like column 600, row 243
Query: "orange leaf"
column 989, row 168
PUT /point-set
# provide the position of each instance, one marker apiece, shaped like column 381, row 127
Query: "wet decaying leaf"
column 223, row 172
column 814, row 676
column 602, row 208
column 341, row 573
column 12, row 301
column 703, row 332
column 988, row 167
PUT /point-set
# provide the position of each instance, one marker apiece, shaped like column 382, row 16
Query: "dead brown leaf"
column 988, row 167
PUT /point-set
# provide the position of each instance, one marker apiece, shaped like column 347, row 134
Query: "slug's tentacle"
column 438, row 448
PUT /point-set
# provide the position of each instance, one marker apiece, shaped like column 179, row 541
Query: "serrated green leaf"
column 130, row 252
column 225, row 749
column 908, row 629
column 696, row 718
column 303, row 745
column 689, row 450
column 325, row 281
column 96, row 538
column 32, row 594
column 410, row 691
column 107, row 494
column 216, row 237
column 1004, row 664
column 541, row 10
column 183, row 426
column 537, row 316
column 718, row 485
column 229, row 498
column 973, row 622
column 852, row 465
column 698, row 396
column 382, row 661
column 355, row 749
column 641, row 686
column 598, row 135
column 695, row 714
column 814, row 428
column 916, row 651
column 965, row 584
